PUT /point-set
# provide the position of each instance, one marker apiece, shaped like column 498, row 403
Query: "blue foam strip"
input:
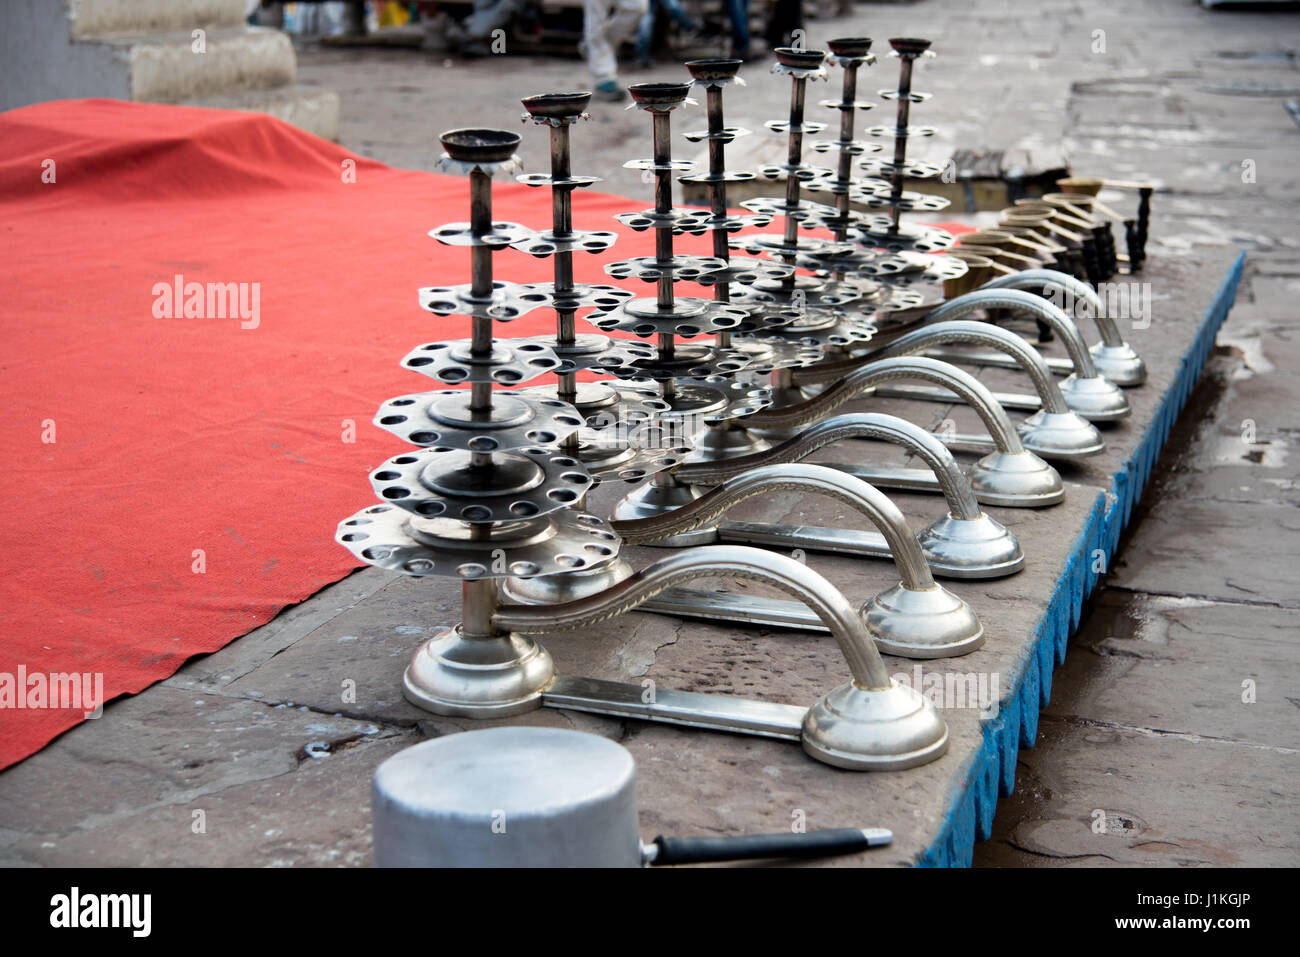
column 992, row 773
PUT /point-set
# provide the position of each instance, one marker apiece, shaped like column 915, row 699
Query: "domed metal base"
column 568, row 586
column 933, row 623
column 1016, row 480
column 1097, row 399
column 970, row 548
column 478, row 677
column 1120, row 364
column 1060, row 435
column 650, row 500
column 716, row 445
column 883, row 730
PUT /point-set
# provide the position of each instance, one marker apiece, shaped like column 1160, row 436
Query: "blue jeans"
column 645, row 32
column 738, row 14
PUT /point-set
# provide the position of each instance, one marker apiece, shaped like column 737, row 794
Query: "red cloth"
column 176, row 435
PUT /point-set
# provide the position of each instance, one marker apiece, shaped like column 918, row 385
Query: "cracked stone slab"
column 1189, row 668
column 1237, row 551
column 1091, row 797
column 163, row 751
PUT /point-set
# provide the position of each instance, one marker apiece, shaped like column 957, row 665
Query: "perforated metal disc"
column 462, row 234
column 852, row 147
column 547, row 243
column 861, row 262
column 879, row 232
column 896, row 132
column 392, row 539
column 909, row 201
column 442, row 483
column 725, row 135
column 442, row 419
column 510, row 362
column 807, row 127
column 803, row 210
column 689, row 317
column 746, row 270
column 681, row 220
column 510, row 300
column 691, row 359
column 590, row 351
column 680, row 269
column 913, row 96
column 811, row 292
column 567, row 182
column 913, row 169
column 823, row 329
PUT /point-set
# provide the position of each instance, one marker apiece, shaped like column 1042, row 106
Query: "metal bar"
column 724, row 606
column 694, row 710
column 839, row 541
column 1027, row 402
column 997, row 360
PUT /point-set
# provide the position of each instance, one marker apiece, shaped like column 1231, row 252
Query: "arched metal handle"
column 755, row 564
column 986, row 334
column 1021, row 301
column 861, row 425
column 1052, row 281
column 796, row 477
column 898, row 366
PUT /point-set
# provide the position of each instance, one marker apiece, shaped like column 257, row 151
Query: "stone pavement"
column 1147, row 732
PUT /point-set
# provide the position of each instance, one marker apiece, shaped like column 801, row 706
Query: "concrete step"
column 306, row 107
column 91, row 19
column 170, row 67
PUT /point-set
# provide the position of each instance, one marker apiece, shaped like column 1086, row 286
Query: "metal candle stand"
column 495, row 496
column 491, row 496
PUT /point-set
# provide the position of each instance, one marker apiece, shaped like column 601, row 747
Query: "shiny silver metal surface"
column 713, row 712
column 1113, row 357
column 1086, row 391
column 1053, row 432
column 1028, row 480
column 917, row 618
column 507, row 797
column 869, row 723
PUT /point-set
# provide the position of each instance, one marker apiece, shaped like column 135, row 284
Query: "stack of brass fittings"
column 673, row 396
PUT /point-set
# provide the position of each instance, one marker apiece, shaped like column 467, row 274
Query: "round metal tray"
column 521, row 484
column 682, row 268
column 396, row 541
column 690, row 317
column 547, row 243
column 511, row 361
column 442, row 420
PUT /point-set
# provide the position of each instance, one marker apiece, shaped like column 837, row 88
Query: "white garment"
column 606, row 24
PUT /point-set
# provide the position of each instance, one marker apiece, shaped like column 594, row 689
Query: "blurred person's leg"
column 603, row 31
column 645, row 34
column 738, row 14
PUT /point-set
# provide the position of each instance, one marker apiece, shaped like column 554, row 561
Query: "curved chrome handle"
column 797, row 477
column 987, row 334
column 862, row 425
column 755, row 564
column 1052, row 280
column 866, row 376
column 1021, row 301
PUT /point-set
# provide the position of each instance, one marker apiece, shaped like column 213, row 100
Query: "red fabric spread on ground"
column 174, row 482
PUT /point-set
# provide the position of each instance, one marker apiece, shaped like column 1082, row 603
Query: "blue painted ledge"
column 993, row 772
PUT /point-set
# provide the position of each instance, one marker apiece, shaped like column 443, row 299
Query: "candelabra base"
column 472, row 677
column 878, row 729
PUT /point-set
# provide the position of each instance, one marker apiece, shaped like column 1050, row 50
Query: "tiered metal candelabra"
column 491, row 496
